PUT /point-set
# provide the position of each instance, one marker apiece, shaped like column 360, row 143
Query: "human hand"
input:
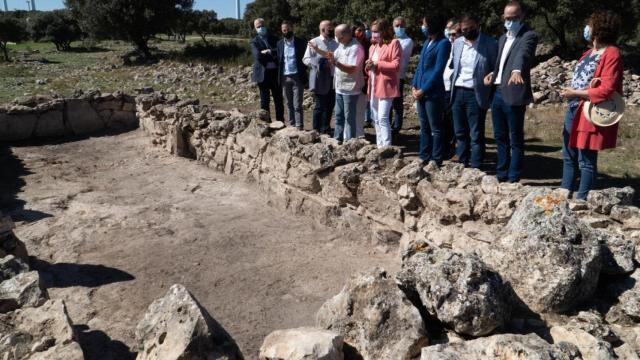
column 265, row 51
column 488, row 79
column 516, row 78
column 567, row 93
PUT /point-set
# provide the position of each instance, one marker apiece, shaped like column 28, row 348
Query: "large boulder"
column 502, row 347
column 549, row 256
column 302, row 344
column 375, row 318
column 22, row 290
column 42, row 333
column 460, row 290
column 178, row 327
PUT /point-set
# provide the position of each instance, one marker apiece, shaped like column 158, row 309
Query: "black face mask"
column 330, row 33
column 471, row 34
column 288, row 35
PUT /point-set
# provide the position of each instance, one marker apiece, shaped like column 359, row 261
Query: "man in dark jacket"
column 292, row 72
column 265, row 68
column 511, row 79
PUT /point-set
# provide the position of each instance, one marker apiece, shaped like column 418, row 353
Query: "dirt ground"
column 111, row 223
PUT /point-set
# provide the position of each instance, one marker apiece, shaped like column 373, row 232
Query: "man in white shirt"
column 397, row 107
column 452, row 32
column 348, row 61
column 474, row 56
column 321, row 76
column 511, row 80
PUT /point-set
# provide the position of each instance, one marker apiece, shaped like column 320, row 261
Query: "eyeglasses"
column 453, row 34
column 511, row 18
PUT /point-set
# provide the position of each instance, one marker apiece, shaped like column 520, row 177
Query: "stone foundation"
column 45, row 117
column 355, row 185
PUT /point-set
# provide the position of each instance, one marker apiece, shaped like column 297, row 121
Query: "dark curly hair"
column 605, row 26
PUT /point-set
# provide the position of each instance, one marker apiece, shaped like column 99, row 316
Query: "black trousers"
column 270, row 84
column 322, row 111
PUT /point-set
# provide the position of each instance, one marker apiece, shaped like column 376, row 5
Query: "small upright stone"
column 302, row 344
column 177, row 327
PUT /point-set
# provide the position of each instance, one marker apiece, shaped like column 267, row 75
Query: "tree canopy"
column 57, row 26
column 12, row 29
column 132, row 20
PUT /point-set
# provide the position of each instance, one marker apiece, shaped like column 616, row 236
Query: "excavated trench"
column 112, row 221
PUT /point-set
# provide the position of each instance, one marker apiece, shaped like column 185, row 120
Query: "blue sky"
column 224, row 8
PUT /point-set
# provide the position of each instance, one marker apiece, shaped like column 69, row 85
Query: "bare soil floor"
column 112, row 222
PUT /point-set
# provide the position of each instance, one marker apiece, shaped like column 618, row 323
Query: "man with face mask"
column 265, row 68
column 363, row 35
column 321, row 76
column 293, row 72
column 511, row 80
column 474, row 56
column 397, row 109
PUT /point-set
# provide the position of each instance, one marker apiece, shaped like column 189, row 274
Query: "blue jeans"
column 577, row 159
column 322, row 111
column 397, row 110
column 430, row 113
column 468, row 122
column 346, row 108
column 508, row 129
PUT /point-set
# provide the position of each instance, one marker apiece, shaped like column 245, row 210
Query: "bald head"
column 326, row 28
column 343, row 34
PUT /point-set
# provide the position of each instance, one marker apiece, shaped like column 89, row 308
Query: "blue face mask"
column 425, row 30
column 446, row 33
column 586, row 34
column 512, row 26
column 262, row 31
column 367, row 33
column 400, row 32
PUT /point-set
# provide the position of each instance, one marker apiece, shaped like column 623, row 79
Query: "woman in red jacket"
column 596, row 77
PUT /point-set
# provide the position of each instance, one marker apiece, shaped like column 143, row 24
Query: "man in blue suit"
column 511, row 79
column 265, row 68
column 474, row 56
column 292, row 75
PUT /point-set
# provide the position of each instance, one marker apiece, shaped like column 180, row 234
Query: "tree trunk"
column 558, row 31
column 143, row 46
column 204, row 38
column 3, row 46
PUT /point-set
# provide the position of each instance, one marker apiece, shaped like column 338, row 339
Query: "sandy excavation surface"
column 112, row 223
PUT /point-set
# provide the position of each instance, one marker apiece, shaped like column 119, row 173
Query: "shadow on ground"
column 97, row 345
column 63, row 275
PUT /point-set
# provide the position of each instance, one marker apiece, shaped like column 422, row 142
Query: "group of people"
column 462, row 73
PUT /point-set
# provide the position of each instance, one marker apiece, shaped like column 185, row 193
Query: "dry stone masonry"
column 45, row 117
column 489, row 270
column 479, row 257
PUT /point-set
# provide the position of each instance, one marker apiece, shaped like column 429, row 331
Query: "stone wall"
column 46, row 117
column 356, row 185
column 479, row 256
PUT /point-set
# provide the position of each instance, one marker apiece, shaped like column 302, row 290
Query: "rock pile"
column 31, row 325
column 550, row 76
